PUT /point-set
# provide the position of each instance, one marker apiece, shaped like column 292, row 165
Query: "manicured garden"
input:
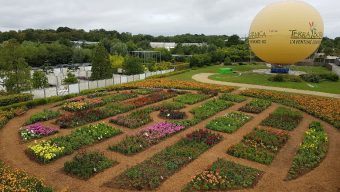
column 161, row 131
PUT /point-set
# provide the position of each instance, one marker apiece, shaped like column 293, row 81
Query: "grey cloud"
column 156, row 17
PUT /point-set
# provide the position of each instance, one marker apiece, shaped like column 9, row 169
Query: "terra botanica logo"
column 313, row 36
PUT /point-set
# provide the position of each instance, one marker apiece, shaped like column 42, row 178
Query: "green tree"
column 70, row 79
column 119, row 48
column 39, row 80
column 101, row 66
column 132, row 66
column 116, row 62
column 14, row 69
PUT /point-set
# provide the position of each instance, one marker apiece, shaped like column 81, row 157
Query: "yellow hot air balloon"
column 286, row 32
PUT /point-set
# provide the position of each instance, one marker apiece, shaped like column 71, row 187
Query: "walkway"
column 204, row 78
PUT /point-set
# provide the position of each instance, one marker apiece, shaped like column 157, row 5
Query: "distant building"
column 165, row 45
column 80, row 43
column 194, row 44
column 331, row 59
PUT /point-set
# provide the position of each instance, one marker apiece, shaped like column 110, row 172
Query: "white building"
column 166, row 45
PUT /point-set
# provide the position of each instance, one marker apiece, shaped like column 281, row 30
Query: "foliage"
column 144, row 91
column 200, row 60
column 283, row 118
column 15, row 72
column 191, row 98
column 39, row 80
column 152, row 172
column 82, row 104
column 116, row 62
column 18, row 180
column 311, row 152
column 70, row 79
column 101, row 66
column 146, row 138
column 260, row 145
column 316, row 78
column 135, row 119
column 233, row 97
column 152, row 98
column 15, row 98
column 325, row 108
column 45, row 115
column 47, row 151
column 210, row 108
column 36, row 131
column 87, row 164
column 256, row 106
column 171, row 105
column 284, row 78
column 229, row 123
column 119, row 97
column 132, row 66
column 224, row 175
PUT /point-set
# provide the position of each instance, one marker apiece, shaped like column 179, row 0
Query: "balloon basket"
column 280, row 70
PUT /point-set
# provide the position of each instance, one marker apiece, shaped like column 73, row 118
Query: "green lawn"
column 260, row 79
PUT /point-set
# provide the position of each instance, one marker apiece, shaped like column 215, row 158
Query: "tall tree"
column 101, row 66
column 39, row 80
column 14, row 69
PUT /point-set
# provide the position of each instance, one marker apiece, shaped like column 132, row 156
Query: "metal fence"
column 78, row 87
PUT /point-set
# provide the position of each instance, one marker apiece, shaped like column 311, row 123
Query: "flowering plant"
column 46, row 151
column 36, row 130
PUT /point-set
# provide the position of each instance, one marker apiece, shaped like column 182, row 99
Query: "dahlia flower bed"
column 47, row 151
column 149, row 99
column 283, row 118
column 191, row 98
column 135, row 119
column 229, row 123
column 325, row 108
column 18, row 180
column 152, row 172
column 233, row 97
column 87, row 164
column 36, row 131
column 256, row 106
column 146, row 138
column 311, row 151
column 260, row 145
column 43, row 116
column 224, row 175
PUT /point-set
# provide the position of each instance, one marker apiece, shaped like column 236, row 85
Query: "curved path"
column 323, row 178
column 204, row 78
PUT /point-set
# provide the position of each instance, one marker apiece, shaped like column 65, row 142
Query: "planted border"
column 229, row 123
column 87, row 164
column 152, row 172
column 233, row 97
column 135, row 119
column 283, row 118
column 45, row 115
column 47, row 151
column 36, row 131
column 260, row 145
column 191, row 98
column 224, row 175
column 311, row 152
column 256, row 106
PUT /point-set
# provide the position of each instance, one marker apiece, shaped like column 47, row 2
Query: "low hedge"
column 15, row 98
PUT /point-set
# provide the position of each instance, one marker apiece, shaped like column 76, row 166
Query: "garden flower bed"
column 86, row 164
column 224, row 175
column 229, row 123
column 42, row 116
column 260, row 145
column 233, row 97
column 98, row 94
column 149, row 99
column 191, row 98
column 311, row 152
column 36, row 131
column 144, row 91
column 47, row 151
column 135, row 119
column 171, row 114
column 82, row 104
column 171, row 105
column 283, row 118
column 146, row 138
column 119, row 97
column 325, row 108
column 3, row 120
column 152, row 172
column 256, row 106
column 17, row 180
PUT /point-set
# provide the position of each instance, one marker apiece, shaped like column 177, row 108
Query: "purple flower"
column 40, row 129
column 160, row 130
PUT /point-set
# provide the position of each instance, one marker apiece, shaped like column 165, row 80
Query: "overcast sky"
column 155, row 17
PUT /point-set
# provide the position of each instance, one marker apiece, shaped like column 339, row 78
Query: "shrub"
column 42, row 116
column 256, row 106
column 283, row 118
column 313, row 78
column 229, row 123
column 15, row 98
column 311, row 152
column 330, row 77
column 277, row 78
column 224, row 175
column 87, row 164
